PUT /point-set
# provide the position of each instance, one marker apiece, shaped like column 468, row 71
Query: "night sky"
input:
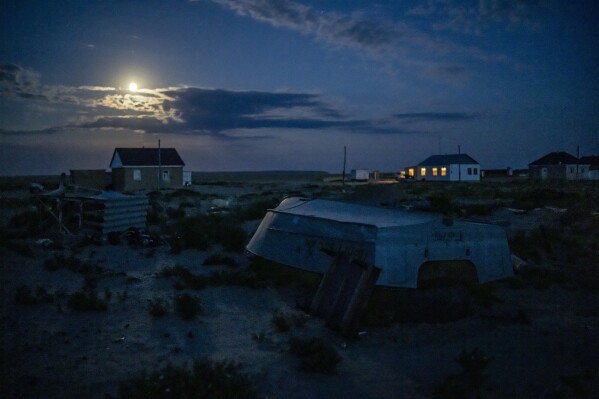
column 285, row 85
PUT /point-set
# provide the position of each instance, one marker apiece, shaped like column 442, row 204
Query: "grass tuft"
column 205, row 380
column 187, row 306
column 86, row 301
column 315, row 355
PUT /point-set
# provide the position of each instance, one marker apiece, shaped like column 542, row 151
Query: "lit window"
column 422, row 171
column 166, row 176
column 136, row 174
column 411, row 172
column 443, row 171
column 434, row 171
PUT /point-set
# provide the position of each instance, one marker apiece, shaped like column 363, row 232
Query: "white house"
column 449, row 167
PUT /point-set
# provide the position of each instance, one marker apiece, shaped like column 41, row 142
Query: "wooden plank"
column 344, row 292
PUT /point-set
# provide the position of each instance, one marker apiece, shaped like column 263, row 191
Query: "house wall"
column 452, row 172
column 359, row 174
column 564, row 172
column 460, row 172
column 123, row 179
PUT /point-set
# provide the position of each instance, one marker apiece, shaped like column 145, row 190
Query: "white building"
column 450, row 167
column 360, row 174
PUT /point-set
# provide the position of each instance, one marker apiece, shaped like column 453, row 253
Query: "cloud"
column 475, row 17
column 173, row 109
column 96, row 88
column 16, row 81
column 334, row 28
column 436, row 116
column 379, row 38
column 214, row 111
column 193, row 110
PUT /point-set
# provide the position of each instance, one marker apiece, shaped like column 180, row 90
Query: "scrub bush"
column 86, row 301
column 187, row 306
column 187, row 279
column 280, row 322
column 23, row 296
column 220, row 259
column 205, row 380
column 158, row 307
column 202, row 231
column 315, row 355
column 469, row 382
column 72, row 264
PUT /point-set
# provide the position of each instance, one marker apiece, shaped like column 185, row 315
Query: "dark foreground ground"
column 82, row 318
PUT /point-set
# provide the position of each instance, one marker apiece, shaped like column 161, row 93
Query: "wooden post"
column 344, row 160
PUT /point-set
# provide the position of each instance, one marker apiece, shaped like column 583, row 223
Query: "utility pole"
column 344, row 160
column 459, row 163
column 577, row 160
column 159, row 167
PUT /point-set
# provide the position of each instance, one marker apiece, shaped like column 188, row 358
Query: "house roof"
column 555, row 158
column 448, row 159
column 145, row 157
column 592, row 160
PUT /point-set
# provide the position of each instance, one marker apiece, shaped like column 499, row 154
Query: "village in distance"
column 152, row 281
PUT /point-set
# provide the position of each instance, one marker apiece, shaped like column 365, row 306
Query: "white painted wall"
column 455, row 172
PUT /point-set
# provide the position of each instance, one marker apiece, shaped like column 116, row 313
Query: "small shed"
column 108, row 211
column 407, row 246
column 136, row 169
column 360, row 174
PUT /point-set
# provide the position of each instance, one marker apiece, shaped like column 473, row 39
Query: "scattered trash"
column 136, row 238
column 518, row 263
column 45, row 242
column 516, row 211
column 220, row 203
column 36, row 188
column 555, row 209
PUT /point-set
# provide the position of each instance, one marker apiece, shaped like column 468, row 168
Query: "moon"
column 132, row 86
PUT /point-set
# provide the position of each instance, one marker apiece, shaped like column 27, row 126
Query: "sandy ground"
column 51, row 351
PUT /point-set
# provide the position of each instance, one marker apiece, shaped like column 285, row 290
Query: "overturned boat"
column 408, row 247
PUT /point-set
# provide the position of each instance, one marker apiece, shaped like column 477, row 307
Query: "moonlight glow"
column 132, row 86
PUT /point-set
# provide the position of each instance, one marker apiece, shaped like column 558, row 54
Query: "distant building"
column 558, row 165
column 360, row 174
column 146, row 168
column 449, row 167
